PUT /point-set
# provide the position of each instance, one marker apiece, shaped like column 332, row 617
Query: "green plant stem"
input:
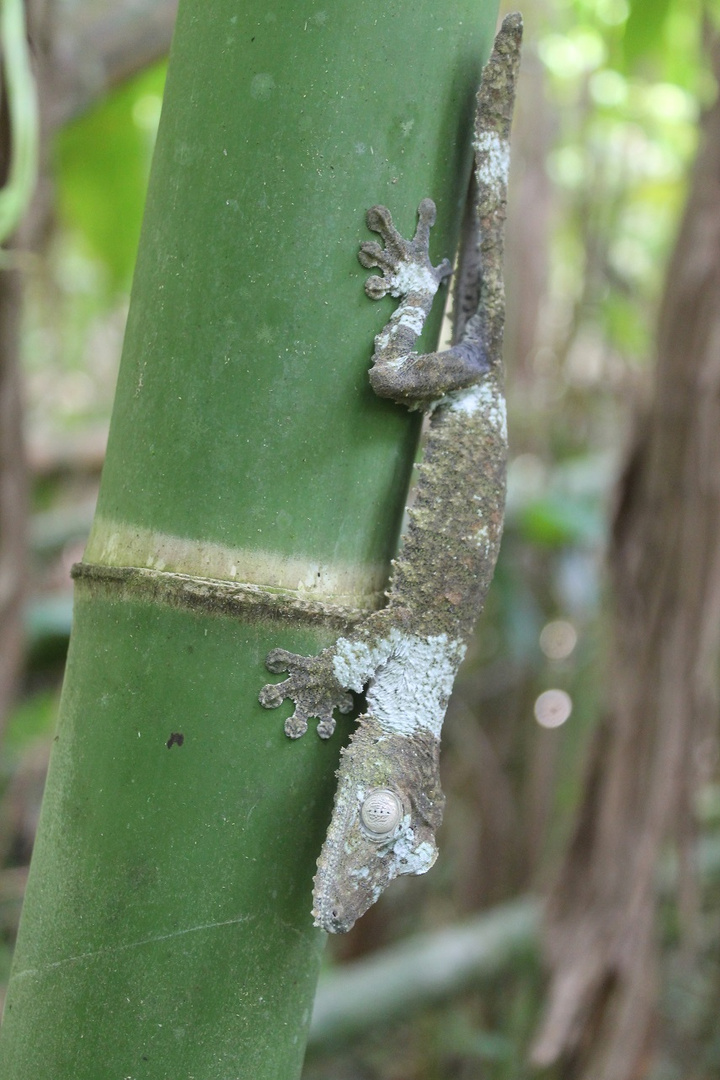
column 432, row 967
column 424, row 969
column 166, row 930
column 24, row 123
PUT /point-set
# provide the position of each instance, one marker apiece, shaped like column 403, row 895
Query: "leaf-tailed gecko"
column 389, row 802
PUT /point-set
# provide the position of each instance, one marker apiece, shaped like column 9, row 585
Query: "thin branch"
column 425, row 968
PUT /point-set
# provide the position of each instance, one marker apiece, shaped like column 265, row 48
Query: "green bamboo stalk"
column 166, row 930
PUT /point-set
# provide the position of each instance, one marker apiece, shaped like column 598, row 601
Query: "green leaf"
column 102, row 162
column 34, row 718
column 644, row 29
column 554, row 521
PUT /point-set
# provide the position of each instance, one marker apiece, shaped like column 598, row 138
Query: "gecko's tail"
column 493, row 118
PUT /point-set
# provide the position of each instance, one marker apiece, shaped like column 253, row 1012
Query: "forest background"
column 607, row 129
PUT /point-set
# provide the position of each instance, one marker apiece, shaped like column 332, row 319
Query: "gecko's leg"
column 313, row 688
column 418, row 380
column 320, row 684
column 407, row 273
column 410, row 378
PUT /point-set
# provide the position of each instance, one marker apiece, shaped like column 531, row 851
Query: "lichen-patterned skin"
column 406, row 655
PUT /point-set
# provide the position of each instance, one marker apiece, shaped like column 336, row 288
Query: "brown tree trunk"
column 13, row 471
column 13, row 493
column 665, row 574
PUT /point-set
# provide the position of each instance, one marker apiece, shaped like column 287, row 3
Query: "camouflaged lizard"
column 389, row 801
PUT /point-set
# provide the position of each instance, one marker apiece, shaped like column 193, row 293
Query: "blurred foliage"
column 102, row 162
column 618, row 93
column 77, row 295
column 33, row 719
column 625, row 84
column 481, row 1035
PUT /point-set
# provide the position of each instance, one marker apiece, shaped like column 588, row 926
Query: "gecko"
column 389, row 803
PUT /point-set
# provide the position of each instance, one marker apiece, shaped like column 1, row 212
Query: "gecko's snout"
column 334, row 919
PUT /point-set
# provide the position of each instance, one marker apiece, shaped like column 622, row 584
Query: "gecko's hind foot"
column 405, row 264
column 311, row 685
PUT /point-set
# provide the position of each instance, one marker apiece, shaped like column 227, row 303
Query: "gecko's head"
column 378, row 831
column 334, row 919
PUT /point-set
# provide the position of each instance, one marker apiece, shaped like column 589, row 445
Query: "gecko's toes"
column 272, row 695
column 295, row 726
column 388, row 259
column 444, row 270
column 379, row 220
column 426, row 219
column 371, row 254
column 396, row 247
column 278, row 660
column 427, row 212
column 326, row 726
column 376, row 287
column 345, row 703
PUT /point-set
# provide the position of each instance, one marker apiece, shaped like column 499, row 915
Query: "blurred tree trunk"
column 13, row 490
column 661, row 714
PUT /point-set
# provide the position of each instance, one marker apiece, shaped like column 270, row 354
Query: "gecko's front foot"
column 405, row 264
column 313, row 688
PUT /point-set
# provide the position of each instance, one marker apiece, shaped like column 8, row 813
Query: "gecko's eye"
column 380, row 814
